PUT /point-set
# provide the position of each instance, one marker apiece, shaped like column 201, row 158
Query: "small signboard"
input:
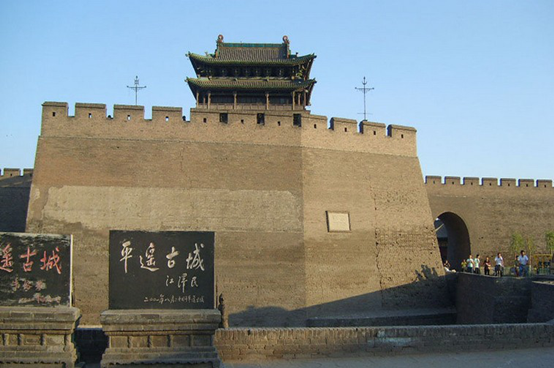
column 35, row 270
column 338, row 221
column 161, row 270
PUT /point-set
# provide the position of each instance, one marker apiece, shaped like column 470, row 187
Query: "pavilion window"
column 223, row 118
column 297, row 120
column 222, row 99
column 260, row 118
column 251, row 99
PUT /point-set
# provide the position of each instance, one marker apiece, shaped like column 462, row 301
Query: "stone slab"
column 35, row 269
column 38, row 336
column 161, row 337
column 161, row 270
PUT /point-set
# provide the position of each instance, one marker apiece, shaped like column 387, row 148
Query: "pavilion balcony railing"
column 243, row 106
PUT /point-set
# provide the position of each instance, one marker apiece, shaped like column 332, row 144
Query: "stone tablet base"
column 38, row 336
column 176, row 338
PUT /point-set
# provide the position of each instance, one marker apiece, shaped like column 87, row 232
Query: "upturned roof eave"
column 195, row 58
column 249, row 83
column 195, row 86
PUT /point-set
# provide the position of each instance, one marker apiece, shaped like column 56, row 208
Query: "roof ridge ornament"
column 220, row 38
column 286, row 39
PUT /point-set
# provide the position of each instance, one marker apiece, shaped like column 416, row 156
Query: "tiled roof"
column 251, row 60
column 252, row 51
column 250, row 84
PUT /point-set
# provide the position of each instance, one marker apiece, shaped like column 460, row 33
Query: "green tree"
column 517, row 243
column 549, row 239
column 530, row 248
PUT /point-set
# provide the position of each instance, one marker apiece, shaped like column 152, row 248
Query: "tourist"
column 470, row 264
column 487, row 266
column 523, row 261
column 476, row 264
column 498, row 265
column 446, row 266
column 464, row 265
column 516, row 266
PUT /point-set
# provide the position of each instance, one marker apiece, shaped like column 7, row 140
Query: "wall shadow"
column 14, row 201
column 410, row 303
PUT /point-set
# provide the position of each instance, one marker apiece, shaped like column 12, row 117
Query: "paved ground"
column 521, row 358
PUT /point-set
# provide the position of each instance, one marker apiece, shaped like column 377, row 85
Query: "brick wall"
column 263, row 189
column 488, row 299
column 278, row 343
column 14, row 199
column 492, row 210
column 542, row 301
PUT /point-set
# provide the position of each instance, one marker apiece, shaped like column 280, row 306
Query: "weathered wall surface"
column 492, row 212
column 264, row 190
column 390, row 258
column 290, row 343
column 542, row 301
column 487, row 299
column 14, row 199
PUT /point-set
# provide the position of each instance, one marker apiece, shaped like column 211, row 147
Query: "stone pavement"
column 521, row 358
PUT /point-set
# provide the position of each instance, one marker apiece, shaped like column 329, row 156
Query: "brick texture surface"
column 263, row 189
column 274, row 343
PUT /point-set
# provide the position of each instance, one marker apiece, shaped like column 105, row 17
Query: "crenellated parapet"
column 98, row 112
column 456, row 181
column 256, row 126
column 14, row 173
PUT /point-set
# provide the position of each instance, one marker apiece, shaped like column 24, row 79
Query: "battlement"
column 277, row 127
column 456, row 181
column 13, row 173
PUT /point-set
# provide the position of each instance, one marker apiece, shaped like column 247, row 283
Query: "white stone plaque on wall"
column 338, row 221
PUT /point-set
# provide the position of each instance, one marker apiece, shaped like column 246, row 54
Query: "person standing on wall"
column 487, row 266
column 476, row 264
column 470, row 264
column 523, row 264
column 498, row 265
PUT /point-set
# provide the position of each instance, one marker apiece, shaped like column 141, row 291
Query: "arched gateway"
column 453, row 238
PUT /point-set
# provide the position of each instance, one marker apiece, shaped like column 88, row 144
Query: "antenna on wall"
column 137, row 88
column 365, row 90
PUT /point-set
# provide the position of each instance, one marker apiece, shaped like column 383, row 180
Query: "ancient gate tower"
column 312, row 217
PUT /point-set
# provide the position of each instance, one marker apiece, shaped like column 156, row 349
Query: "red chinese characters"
column 51, row 262
column 28, row 264
column 6, row 261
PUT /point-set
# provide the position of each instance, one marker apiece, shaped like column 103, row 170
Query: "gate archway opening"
column 453, row 238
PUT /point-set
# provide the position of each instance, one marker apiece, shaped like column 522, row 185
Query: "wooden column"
column 209, row 99
column 197, row 98
column 305, row 95
column 267, row 100
column 234, row 100
column 293, row 100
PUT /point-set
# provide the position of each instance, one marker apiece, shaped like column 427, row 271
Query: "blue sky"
column 475, row 78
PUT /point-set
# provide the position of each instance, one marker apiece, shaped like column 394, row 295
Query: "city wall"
column 15, row 187
column 490, row 210
column 168, row 123
column 266, row 190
